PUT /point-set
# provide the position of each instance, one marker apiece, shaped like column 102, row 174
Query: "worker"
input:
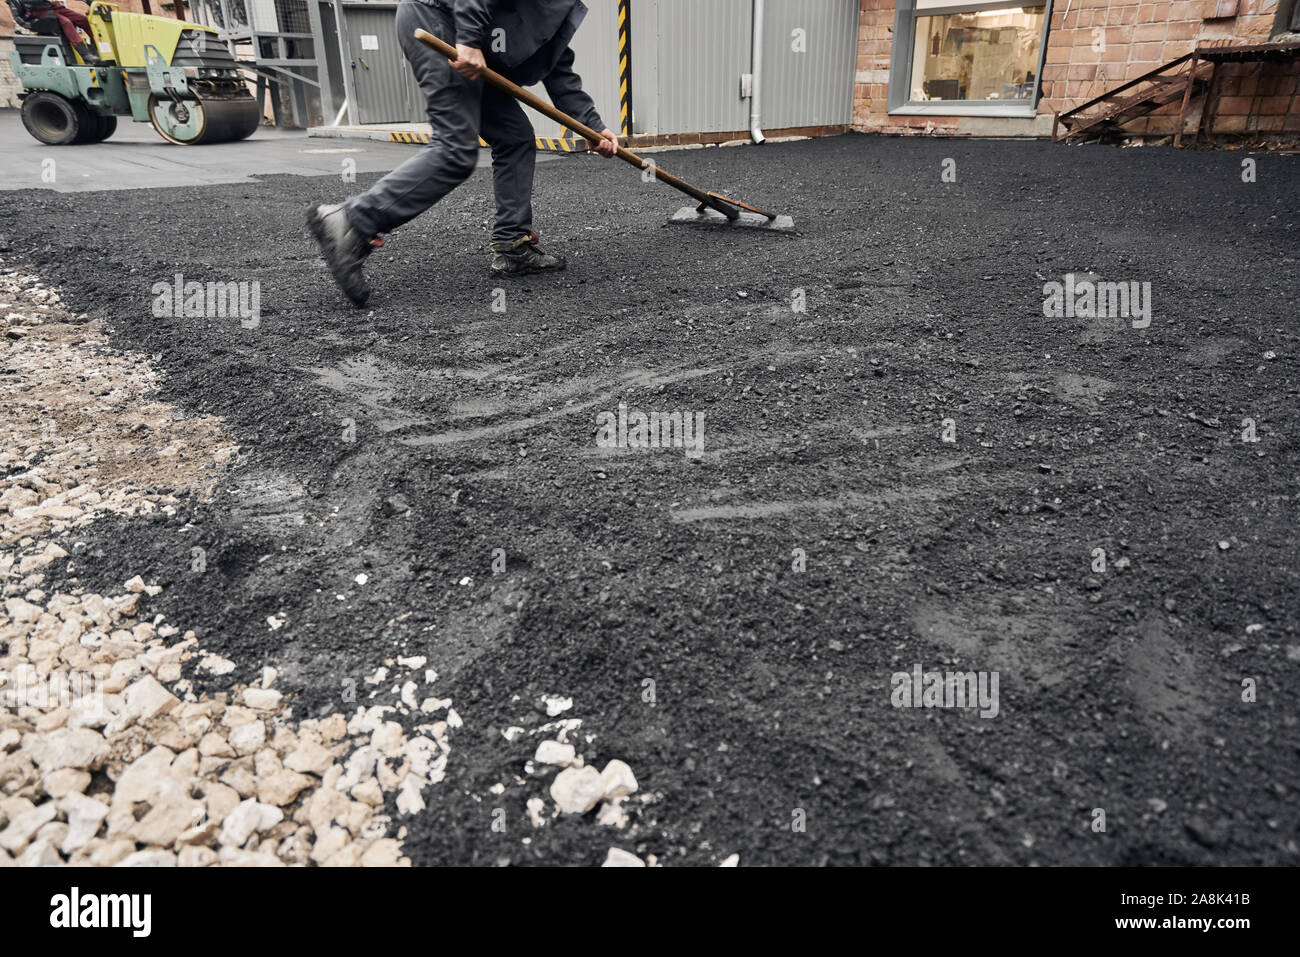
column 70, row 21
column 528, row 42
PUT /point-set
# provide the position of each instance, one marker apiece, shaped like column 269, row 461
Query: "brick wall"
column 9, row 85
column 1095, row 46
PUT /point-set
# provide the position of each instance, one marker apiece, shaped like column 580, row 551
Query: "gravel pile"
column 108, row 756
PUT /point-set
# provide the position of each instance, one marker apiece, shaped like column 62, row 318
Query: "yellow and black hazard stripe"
column 556, row 144
column 625, row 66
column 549, row 144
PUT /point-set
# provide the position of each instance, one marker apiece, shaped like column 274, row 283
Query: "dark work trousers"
column 459, row 110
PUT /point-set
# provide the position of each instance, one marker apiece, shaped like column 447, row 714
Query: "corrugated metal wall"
column 386, row 88
column 693, row 52
column 595, row 57
column 687, row 60
column 814, row 88
column 701, row 51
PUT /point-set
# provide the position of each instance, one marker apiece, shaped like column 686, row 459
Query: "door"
column 386, row 90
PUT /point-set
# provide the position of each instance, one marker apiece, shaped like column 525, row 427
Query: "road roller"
column 175, row 75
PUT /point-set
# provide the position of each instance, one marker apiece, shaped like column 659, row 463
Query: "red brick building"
column 1003, row 69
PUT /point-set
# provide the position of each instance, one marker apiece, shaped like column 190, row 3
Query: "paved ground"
column 920, row 470
column 137, row 158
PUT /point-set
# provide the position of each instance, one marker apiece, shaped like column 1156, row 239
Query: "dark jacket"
column 528, row 42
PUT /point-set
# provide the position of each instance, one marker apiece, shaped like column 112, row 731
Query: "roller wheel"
column 98, row 127
column 191, row 122
column 107, row 126
column 55, row 120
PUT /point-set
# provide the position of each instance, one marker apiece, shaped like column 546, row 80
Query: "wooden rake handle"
column 586, row 132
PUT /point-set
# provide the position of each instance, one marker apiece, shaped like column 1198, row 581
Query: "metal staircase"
column 1103, row 117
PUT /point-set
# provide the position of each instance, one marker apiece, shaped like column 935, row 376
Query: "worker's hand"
column 469, row 62
column 608, row 145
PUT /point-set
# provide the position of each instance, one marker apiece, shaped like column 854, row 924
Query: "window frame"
column 1286, row 10
column 900, row 65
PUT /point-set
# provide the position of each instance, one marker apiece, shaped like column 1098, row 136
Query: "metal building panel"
column 595, row 51
column 385, row 87
column 645, row 66
column 814, row 87
column 702, row 50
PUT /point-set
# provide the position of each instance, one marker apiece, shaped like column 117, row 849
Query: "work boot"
column 523, row 256
column 87, row 56
column 343, row 249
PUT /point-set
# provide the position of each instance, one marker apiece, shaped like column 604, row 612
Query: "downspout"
column 756, row 83
column 345, row 56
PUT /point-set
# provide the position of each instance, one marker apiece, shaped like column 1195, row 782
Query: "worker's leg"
column 453, row 107
column 514, row 157
column 68, row 24
column 79, row 19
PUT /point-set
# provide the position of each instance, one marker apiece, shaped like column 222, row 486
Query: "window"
column 985, row 55
column 1287, row 19
column 971, row 59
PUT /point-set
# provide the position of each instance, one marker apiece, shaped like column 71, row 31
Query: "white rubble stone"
column 248, row 818
column 617, row 857
column 409, row 799
column 146, row 699
column 22, row 611
column 84, row 815
column 388, row 738
column 618, row 780
column 262, row 699
column 65, row 781
column 41, row 853
column 536, row 811
column 148, row 858
column 234, row 857
column 248, row 738
column 555, row 705
column 167, row 820
column 309, row 758
column 281, row 787
column 385, row 852
column 140, row 780
column 732, row 861
column 612, row 814
column 368, row 792
column 216, row 665
column 78, row 748
column 196, row 856
column 214, row 745
column 134, row 584
column 25, row 824
column 553, row 752
column 577, row 790
column 93, row 710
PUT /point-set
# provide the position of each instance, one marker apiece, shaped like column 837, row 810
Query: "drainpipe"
column 756, row 60
column 345, row 56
